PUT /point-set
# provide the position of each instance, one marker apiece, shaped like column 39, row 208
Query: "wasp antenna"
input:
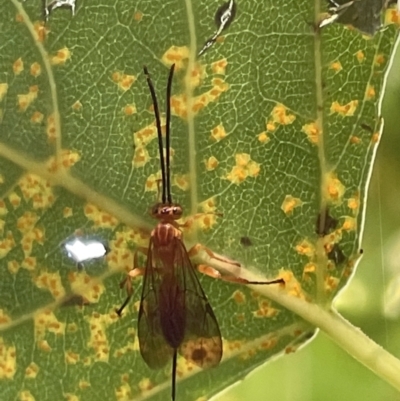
column 168, row 132
column 173, row 385
column 159, row 132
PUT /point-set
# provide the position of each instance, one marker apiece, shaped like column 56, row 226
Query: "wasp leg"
column 127, row 282
column 194, row 250
column 214, row 273
column 189, row 221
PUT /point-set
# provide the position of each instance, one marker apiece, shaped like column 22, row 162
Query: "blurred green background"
column 321, row 371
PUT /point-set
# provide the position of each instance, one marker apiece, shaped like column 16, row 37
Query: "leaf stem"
column 342, row 332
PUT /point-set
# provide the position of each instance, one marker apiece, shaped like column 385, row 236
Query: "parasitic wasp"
column 174, row 314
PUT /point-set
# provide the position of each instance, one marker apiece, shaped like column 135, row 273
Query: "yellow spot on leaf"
column 43, row 345
column 29, row 263
column 71, row 358
column 68, row 159
column 72, row 327
column 67, row 212
column 209, row 205
column 153, row 183
column 346, row 110
column 3, row 207
column 145, row 384
column 3, row 90
column 281, row 115
column 6, row 244
column 137, row 16
column 196, row 76
column 18, row 66
column 83, row 384
column 349, row 224
column 98, row 335
column 140, row 157
column 355, row 140
column 211, row 163
column 141, row 139
column 130, row 109
column 331, row 283
column 370, row 92
column 77, row 106
column 375, row 137
column 84, row 285
column 292, row 286
column 336, row 66
column 38, row 190
column 31, row 371
column 147, row 134
column 26, row 99
column 182, row 181
column 61, row 57
column 265, row 309
column 14, row 199
column 100, row 218
column 19, row 18
column 308, row 269
column 50, row 282
column 4, row 318
column 312, row 131
column 41, row 31
column 26, row 396
column 392, row 16
column 35, row 69
column 219, row 67
column 37, row 117
column 46, row 321
column 353, row 203
column 244, row 168
column 51, row 128
column 270, row 126
column 218, row 133
column 305, row 247
column 289, row 203
column 123, row 392
column 360, row 56
column 13, row 266
column 239, row 297
column 176, row 55
column 179, row 102
column 334, row 189
column 379, row 59
column 126, row 82
column 269, row 344
column 263, row 137
column 8, row 360
column 71, row 397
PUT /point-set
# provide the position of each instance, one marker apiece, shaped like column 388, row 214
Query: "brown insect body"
column 174, row 308
column 174, row 314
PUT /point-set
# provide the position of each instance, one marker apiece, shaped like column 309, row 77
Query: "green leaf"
column 274, row 126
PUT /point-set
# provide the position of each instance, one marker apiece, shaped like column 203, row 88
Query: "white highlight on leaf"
column 80, row 250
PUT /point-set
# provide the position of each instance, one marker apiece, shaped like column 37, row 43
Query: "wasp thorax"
column 171, row 211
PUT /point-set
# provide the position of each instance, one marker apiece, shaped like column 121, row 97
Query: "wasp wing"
column 154, row 349
column 202, row 342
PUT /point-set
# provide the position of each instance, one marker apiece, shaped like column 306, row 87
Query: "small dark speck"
column 245, row 241
column 367, row 128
